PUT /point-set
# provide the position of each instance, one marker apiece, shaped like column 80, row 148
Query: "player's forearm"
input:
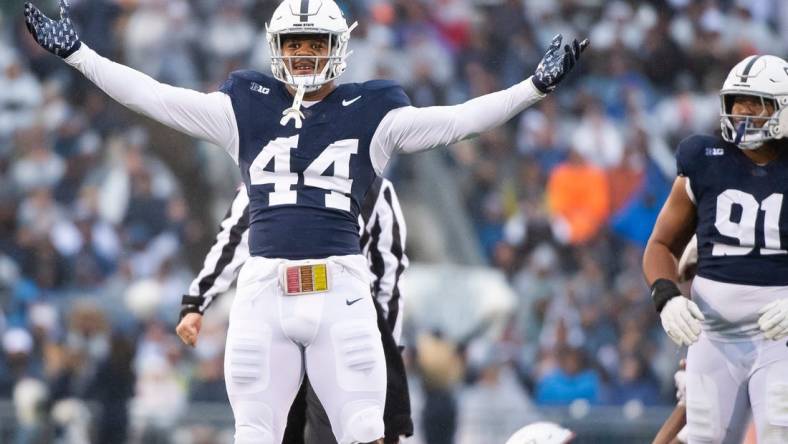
column 471, row 118
column 492, row 110
column 672, row 426
column 205, row 116
column 418, row 129
column 659, row 263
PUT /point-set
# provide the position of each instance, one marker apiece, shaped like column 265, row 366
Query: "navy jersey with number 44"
column 306, row 185
column 742, row 221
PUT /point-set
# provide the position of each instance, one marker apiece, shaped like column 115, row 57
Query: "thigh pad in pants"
column 359, row 351
column 248, row 361
column 775, row 428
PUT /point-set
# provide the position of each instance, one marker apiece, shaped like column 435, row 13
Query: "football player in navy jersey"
column 308, row 150
column 729, row 192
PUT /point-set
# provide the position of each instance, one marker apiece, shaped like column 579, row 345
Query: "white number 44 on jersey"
column 337, row 185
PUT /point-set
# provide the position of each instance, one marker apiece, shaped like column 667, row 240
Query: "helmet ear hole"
column 340, row 68
column 780, row 129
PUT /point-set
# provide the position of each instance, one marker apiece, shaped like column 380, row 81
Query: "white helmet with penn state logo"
column 541, row 433
column 309, row 17
column 765, row 78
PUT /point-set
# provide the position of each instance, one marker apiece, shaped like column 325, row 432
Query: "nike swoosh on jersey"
column 353, row 301
column 349, row 102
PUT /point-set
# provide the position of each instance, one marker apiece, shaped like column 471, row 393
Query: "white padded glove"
column 681, row 320
column 774, row 319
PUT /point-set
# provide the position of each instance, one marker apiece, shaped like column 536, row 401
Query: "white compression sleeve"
column 206, row 116
column 411, row 129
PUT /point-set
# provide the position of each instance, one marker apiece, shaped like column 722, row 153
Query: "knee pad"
column 250, row 435
column 364, row 426
column 247, row 361
column 774, row 434
column 253, row 422
column 776, row 427
column 703, row 423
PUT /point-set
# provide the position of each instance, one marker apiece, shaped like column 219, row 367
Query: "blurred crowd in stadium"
column 99, row 239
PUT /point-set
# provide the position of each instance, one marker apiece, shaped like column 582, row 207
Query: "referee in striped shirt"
column 382, row 229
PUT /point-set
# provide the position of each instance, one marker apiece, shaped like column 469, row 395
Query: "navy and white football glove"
column 56, row 36
column 555, row 65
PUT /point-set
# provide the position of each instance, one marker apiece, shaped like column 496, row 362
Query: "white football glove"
column 774, row 319
column 681, row 320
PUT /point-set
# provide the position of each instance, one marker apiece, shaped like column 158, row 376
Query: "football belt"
column 305, row 279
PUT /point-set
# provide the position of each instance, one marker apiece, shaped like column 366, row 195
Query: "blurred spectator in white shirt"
column 597, row 139
column 20, row 96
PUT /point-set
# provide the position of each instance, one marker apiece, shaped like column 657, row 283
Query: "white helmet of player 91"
column 541, row 433
column 309, row 17
column 766, row 78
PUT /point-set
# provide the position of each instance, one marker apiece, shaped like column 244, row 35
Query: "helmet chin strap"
column 294, row 112
column 740, row 133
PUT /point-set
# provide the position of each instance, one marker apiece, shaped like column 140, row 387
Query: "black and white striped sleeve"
column 383, row 237
column 224, row 259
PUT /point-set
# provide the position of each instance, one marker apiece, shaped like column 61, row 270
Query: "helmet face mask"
column 746, row 130
column 319, row 63
column 763, row 79
column 315, row 18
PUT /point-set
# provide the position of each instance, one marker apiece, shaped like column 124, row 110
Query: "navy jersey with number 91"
column 306, row 185
column 742, row 224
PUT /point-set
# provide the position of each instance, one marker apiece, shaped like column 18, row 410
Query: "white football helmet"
column 764, row 77
column 309, row 17
column 541, row 433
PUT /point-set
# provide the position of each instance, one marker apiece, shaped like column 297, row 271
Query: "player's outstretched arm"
column 412, row 129
column 205, row 116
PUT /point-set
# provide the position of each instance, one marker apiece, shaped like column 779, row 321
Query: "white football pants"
column 273, row 338
column 728, row 381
